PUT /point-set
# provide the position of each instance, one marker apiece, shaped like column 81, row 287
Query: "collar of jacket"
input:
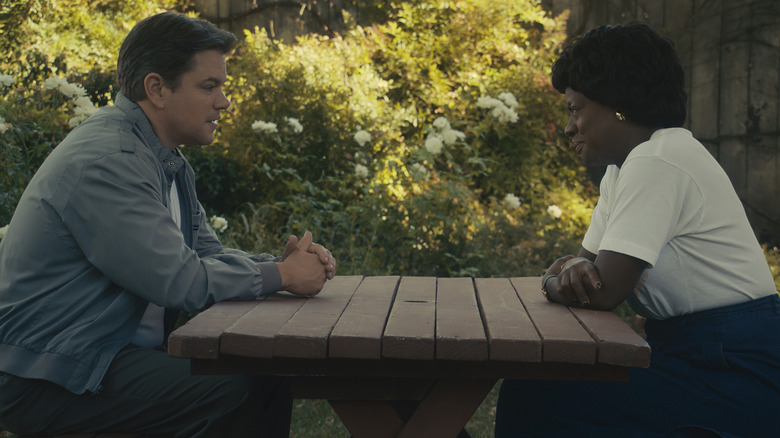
column 169, row 159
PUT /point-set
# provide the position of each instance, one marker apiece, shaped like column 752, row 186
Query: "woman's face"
column 596, row 133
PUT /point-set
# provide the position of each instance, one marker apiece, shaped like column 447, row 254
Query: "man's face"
column 193, row 108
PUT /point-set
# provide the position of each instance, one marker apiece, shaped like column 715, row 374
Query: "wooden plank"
column 705, row 69
column 446, row 408
column 360, row 388
column 199, row 338
column 764, row 69
column 761, row 192
column 460, row 334
column 411, row 332
column 764, row 95
column 618, row 344
column 368, row 418
column 511, row 334
column 358, row 334
column 306, row 334
column 733, row 159
column 398, row 368
column 651, row 12
column 563, row 337
column 253, row 334
column 734, row 77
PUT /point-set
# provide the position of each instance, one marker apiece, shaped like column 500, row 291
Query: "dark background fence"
column 730, row 50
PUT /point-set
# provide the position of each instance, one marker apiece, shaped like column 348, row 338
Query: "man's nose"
column 223, row 102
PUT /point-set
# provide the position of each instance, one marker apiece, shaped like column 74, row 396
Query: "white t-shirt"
column 673, row 206
column 151, row 330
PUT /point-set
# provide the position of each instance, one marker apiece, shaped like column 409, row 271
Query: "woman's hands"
column 601, row 282
column 571, row 279
column 305, row 266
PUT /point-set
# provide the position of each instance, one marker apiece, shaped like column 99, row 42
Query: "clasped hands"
column 305, row 266
column 570, row 279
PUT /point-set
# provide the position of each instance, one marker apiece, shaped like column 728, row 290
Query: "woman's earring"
column 620, row 116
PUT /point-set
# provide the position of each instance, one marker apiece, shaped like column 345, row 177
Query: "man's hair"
column 166, row 44
column 630, row 68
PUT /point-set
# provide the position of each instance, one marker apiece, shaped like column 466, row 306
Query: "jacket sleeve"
column 207, row 244
column 117, row 216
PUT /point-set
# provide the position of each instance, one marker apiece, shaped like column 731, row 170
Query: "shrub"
column 414, row 132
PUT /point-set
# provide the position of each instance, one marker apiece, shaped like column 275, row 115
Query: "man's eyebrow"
column 212, row 79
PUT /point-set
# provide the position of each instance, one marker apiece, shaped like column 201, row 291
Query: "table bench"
column 409, row 356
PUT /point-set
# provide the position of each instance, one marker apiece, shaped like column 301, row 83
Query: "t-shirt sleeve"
column 598, row 219
column 645, row 208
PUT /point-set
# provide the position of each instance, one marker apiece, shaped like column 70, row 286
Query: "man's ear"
column 153, row 85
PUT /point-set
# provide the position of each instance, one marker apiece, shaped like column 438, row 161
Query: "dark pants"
column 149, row 392
column 713, row 373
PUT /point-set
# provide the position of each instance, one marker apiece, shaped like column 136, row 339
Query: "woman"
column 668, row 235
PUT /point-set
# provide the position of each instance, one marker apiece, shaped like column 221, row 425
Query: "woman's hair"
column 630, row 68
column 166, row 44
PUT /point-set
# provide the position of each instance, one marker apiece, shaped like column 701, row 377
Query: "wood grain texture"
column 564, row 339
column 460, row 334
column 306, row 334
column 199, row 338
column 358, row 333
column 411, row 332
column 511, row 334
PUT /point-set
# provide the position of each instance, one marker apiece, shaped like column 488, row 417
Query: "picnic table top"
column 412, row 326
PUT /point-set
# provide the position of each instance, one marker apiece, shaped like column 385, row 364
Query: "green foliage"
column 773, row 259
column 458, row 127
column 393, row 204
column 76, row 40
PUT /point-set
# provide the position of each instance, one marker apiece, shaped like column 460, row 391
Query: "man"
column 109, row 242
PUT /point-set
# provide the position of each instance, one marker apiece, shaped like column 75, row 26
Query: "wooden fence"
column 730, row 50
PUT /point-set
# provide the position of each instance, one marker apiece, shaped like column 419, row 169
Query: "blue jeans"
column 712, row 373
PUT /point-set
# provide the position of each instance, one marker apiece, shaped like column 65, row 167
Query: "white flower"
column 7, row 80
column 266, row 127
column 3, row 230
column 3, row 126
column 419, row 169
column 362, row 137
column 487, row 102
column 54, row 83
column 66, row 88
column 554, row 211
column 361, row 171
column 512, row 201
column 433, row 144
column 295, row 124
column 501, row 109
column 450, row 136
column 83, row 101
column 508, row 99
column 441, row 123
column 504, row 114
column 218, row 223
column 76, row 120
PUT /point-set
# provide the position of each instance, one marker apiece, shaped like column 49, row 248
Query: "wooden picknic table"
column 409, row 356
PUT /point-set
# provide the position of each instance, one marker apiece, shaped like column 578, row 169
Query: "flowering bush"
column 57, row 63
column 426, row 145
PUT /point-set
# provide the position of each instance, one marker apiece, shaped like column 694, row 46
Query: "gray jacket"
column 92, row 242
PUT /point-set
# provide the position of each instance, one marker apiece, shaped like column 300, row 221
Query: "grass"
column 316, row 419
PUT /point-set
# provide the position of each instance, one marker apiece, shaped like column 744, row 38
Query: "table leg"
column 446, row 409
column 442, row 413
column 368, row 418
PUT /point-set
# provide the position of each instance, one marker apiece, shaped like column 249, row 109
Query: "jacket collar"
column 171, row 161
